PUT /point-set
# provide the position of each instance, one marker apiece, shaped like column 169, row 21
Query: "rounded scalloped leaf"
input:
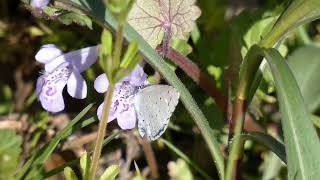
column 153, row 18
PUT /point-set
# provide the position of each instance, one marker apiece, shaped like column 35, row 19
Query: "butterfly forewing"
column 154, row 106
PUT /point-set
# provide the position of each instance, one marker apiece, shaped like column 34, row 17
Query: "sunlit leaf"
column 305, row 65
column 79, row 19
column 9, row 153
column 85, row 165
column 179, row 170
column 110, row 173
column 70, row 174
column 163, row 18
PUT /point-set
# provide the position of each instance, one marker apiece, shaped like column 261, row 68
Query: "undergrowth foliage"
column 185, row 80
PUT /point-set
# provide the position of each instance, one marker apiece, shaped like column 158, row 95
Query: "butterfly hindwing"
column 154, row 106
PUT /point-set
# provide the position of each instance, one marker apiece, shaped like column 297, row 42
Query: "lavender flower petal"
column 113, row 112
column 127, row 119
column 40, row 82
column 101, row 83
column 54, row 104
column 77, row 86
column 39, row 3
column 83, row 58
column 80, row 59
column 56, row 63
column 137, row 77
column 50, row 94
column 47, row 53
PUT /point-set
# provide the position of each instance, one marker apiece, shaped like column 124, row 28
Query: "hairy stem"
column 101, row 132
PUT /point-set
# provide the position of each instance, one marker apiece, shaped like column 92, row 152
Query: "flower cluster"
column 65, row 69
column 61, row 70
column 122, row 106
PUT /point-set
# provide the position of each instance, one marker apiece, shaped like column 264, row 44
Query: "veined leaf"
column 155, row 20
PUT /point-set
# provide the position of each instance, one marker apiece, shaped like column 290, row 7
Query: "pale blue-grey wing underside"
column 154, row 106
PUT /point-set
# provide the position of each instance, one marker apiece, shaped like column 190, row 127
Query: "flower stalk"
column 101, row 132
column 114, row 73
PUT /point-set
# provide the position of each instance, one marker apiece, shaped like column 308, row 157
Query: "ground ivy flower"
column 61, row 70
column 39, row 3
column 122, row 106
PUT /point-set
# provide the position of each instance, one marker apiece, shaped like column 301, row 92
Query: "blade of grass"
column 270, row 142
column 42, row 155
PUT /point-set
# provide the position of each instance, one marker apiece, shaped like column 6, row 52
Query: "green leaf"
column 316, row 120
column 179, row 170
column 270, row 142
column 72, row 17
column 103, row 16
column 297, row 13
column 256, row 32
column 106, row 43
column 181, row 46
column 129, row 54
column 110, row 173
column 70, row 174
column 10, row 149
column 301, row 140
column 271, row 166
column 85, row 165
column 305, row 65
column 40, row 156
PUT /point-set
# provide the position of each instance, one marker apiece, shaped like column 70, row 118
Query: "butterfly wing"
column 154, row 106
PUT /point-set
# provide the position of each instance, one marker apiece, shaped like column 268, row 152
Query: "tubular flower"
column 122, row 106
column 60, row 70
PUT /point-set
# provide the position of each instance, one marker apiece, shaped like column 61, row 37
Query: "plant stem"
column 101, row 132
column 197, row 75
column 236, row 125
column 150, row 157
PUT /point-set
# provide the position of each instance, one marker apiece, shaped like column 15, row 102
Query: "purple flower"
column 122, row 106
column 60, row 70
column 39, row 3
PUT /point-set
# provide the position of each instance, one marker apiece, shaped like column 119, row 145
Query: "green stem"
column 232, row 171
column 101, row 132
